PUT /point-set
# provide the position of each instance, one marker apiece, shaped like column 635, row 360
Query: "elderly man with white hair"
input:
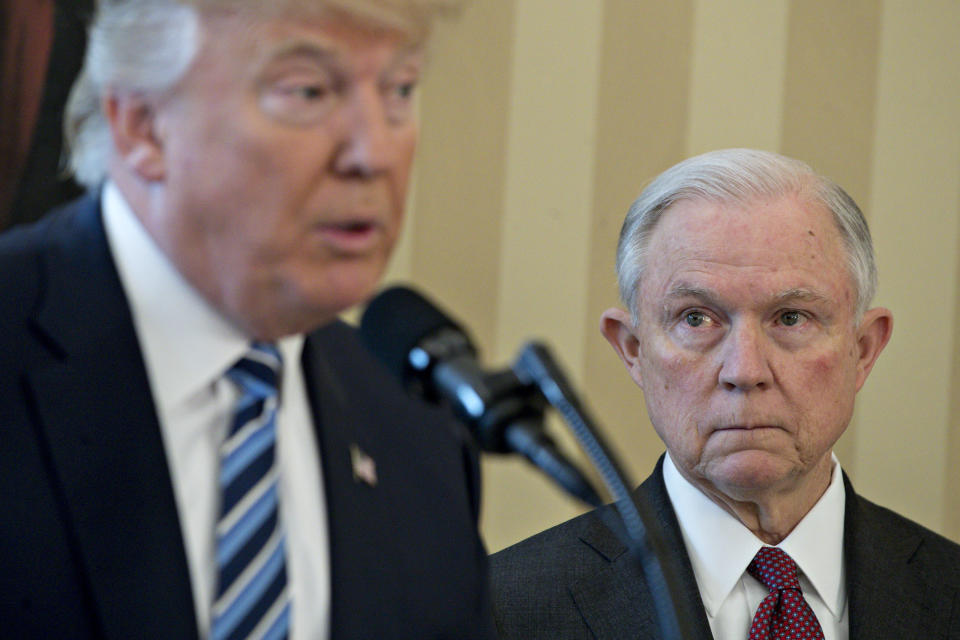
column 747, row 280
column 192, row 445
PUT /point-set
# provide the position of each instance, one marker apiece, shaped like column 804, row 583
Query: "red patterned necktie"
column 783, row 614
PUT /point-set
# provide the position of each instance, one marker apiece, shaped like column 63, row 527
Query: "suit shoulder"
column 560, row 537
column 584, row 540
column 26, row 242
column 22, row 252
column 885, row 524
column 545, row 562
column 538, row 584
column 21, row 281
column 20, row 246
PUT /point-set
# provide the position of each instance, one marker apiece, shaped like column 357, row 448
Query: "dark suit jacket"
column 90, row 542
column 576, row 580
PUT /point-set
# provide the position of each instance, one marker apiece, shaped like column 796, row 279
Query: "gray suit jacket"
column 577, row 580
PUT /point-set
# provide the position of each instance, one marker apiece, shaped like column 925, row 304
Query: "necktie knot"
column 258, row 372
column 783, row 614
column 774, row 568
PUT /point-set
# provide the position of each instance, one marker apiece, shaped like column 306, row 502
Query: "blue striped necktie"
column 251, row 598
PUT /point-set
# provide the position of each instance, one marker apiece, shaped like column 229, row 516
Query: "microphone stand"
column 537, row 367
column 504, row 414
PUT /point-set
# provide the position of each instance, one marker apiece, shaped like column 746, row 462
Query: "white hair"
column 148, row 45
column 137, row 45
column 739, row 177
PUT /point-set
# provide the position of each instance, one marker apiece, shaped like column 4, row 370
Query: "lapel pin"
column 364, row 468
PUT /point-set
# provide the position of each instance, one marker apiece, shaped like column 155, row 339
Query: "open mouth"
column 354, row 227
column 350, row 237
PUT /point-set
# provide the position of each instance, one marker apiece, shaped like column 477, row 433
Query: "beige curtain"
column 542, row 119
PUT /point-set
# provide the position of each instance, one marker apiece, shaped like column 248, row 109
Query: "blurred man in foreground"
column 748, row 280
column 191, row 444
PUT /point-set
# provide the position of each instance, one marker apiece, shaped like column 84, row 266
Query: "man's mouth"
column 352, row 236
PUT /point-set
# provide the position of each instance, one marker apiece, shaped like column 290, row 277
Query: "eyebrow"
column 797, row 294
column 326, row 54
column 683, row 290
column 302, row 48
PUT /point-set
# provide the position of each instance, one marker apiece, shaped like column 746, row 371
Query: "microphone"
column 435, row 359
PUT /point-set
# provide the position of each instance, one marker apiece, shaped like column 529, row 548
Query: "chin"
column 347, row 289
column 747, row 472
column 312, row 295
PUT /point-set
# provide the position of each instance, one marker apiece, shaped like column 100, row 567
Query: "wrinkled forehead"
column 783, row 233
column 752, row 218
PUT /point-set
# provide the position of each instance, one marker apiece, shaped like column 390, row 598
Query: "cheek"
column 272, row 189
column 406, row 147
column 824, row 366
column 673, row 376
column 831, row 369
column 669, row 370
column 675, row 386
column 824, row 395
column 236, row 174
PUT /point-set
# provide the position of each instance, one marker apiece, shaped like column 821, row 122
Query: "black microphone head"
column 396, row 321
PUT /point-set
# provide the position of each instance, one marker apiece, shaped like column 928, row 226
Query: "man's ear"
column 872, row 337
column 133, row 125
column 616, row 325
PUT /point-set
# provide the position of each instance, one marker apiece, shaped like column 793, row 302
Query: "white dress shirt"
column 721, row 548
column 187, row 348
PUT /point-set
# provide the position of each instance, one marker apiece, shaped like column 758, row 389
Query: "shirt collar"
column 816, row 544
column 720, row 547
column 187, row 344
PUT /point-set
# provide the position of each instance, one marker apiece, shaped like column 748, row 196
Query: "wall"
column 542, row 119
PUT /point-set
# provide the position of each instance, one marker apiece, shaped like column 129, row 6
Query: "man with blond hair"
column 747, row 280
column 192, row 445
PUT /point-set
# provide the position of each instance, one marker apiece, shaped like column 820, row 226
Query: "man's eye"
column 399, row 101
column 695, row 318
column 309, row 92
column 791, row 318
column 299, row 101
column 405, row 90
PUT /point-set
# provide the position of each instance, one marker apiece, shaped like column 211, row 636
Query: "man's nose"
column 366, row 148
column 745, row 364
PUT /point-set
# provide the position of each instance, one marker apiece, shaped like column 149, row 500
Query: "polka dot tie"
column 783, row 614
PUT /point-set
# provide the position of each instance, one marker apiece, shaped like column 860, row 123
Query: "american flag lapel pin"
column 364, row 468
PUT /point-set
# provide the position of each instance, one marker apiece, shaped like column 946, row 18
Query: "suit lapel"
column 356, row 520
column 97, row 418
column 616, row 604
column 891, row 594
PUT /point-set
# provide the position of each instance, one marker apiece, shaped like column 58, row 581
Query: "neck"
column 773, row 513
